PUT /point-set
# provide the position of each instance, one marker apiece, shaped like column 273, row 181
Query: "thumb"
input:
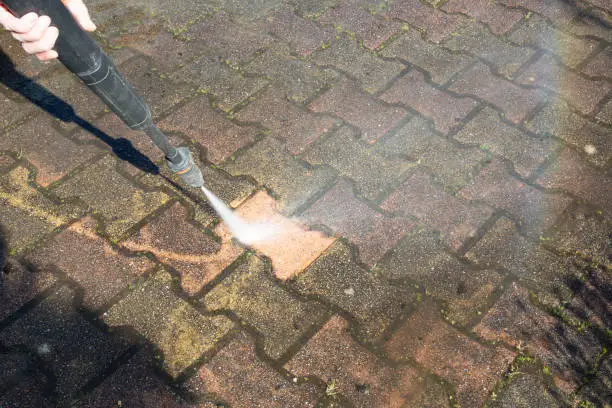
column 80, row 13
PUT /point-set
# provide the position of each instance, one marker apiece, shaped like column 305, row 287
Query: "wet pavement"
column 437, row 174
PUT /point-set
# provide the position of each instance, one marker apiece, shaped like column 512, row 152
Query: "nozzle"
column 184, row 166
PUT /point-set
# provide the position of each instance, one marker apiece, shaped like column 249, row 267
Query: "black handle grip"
column 79, row 52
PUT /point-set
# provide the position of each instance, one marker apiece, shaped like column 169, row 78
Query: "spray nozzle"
column 184, row 166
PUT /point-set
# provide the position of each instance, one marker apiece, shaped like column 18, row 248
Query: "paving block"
column 26, row 214
column 178, row 331
column 590, row 24
column 570, row 173
column 462, row 288
column 227, row 39
column 93, row 263
column 294, row 124
column 434, row 22
column 525, row 390
column 471, row 367
column 372, row 172
column 413, row 91
column 440, row 63
column 526, row 153
column 599, row 66
column 477, row 40
column 534, row 210
column 209, row 128
column 52, row 154
column 134, row 384
column 558, row 11
column 371, row 231
column 72, row 349
column 208, row 74
column 605, row 115
column 338, row 279
column 457, row 219
column 579, row 91
column 452, row 165
column 515, row 320
column 372, row 30
column 352, row 371
column 595, row 390
column 313, row 8
column 183, row 245
column 30, row 392
column 357, row 108
column 21, row 284
column 516, row 102
column 121, row 210
column 584, row 231
column 290, row 246
column 241, row 378
column 502, row 246
column 281, row 319
column 538, row 33
column 558, row 119
column 304, row 36
column 13, row 54
column 297, row 79
column 499, row 19
column 370, row 72
column 271, row 165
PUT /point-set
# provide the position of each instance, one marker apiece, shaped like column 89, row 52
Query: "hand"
column 36, row 33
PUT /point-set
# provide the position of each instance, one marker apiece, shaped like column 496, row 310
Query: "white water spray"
column 245, row 233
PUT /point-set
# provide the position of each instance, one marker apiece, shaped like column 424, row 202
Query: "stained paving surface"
column 438, row 173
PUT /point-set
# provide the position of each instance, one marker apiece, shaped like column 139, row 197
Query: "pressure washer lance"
column 79, row 52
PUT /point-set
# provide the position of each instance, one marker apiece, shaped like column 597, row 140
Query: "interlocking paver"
column 503, row 246
column 514, row 319
column 558, row 11
column 73, row 350
column 499, row 19
column 370, row 72
column 247, row 293
column 242, row 379
column 178, row 330
column 53, row 155
column 271, row 165
column 370, row 29
column 434, row 22
column 298, row 79
column 570, row 173
column 605, row 115
column 297, row 126
column 371, row 172
column 451, row 165
column 337, row 278
column 26, row 214
column 597, row 391
column 209, row 128
column 457, row 219
column 341, row 211
column 100, row 269
column 21, row 284
column 471, row 367
column 558, row 119
column 599, row 66
column 462, row 288
column 413, row 91
column 516, row 102
column 525, row 152
column 211, row 75
column 304, row 36
column 290, row 245
column 439, row 62
column 524, row 390
column 581, row 92
column 537, row 32
column 534, row 210
column 121, row 210
column 357, row 108
column 184, row 246
column 333, row 356
column 477, row 40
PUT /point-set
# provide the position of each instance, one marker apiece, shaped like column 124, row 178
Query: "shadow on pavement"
column 47, row 101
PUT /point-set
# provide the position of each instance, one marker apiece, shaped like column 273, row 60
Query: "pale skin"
column 36, row 33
